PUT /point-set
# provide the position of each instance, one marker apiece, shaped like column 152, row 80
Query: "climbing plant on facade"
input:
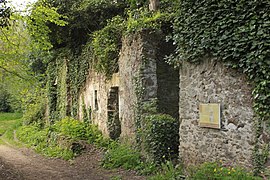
column 236, row 32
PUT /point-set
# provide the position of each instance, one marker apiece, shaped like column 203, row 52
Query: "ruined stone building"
column 179, row 93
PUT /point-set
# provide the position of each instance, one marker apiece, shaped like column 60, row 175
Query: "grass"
column 63, row 140
column 8, row 123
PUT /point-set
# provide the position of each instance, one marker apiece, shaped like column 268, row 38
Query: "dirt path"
column 25, row 164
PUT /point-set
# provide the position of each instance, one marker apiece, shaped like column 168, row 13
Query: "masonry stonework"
column 141, row 59
column 212, row 82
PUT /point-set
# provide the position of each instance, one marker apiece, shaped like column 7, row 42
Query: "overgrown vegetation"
column 234, row 32
column 106, row 45
column 157, row 135
column 216, row 170
column 161, row 137
column 9, row 122
column 88, row 34
column 63, row 139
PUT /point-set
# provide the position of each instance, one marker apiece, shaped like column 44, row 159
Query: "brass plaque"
column 210, row 115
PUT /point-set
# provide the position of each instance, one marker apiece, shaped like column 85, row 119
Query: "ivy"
column 84, row 17
column 236, row 32
column 142, row 19
column 106, row 45
column 161, row 137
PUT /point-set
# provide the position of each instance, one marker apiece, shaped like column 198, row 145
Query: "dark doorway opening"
column 113, row 123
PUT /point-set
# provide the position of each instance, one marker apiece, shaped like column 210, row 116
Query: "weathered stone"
column 141, row 66
column 214, row 83
column 231, row 126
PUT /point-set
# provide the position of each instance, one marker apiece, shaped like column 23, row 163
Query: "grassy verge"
column 8, row 123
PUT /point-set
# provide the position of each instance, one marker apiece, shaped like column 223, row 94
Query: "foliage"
column 39, row 139
column 5, row 98
column 73, row 129
column 84, row 17
column 5, row 13
column 168, row 171
column 215, row 170
column 63, row 139
column 161, row 137
column 141, row 19
column 260, row 157
column 235, row 32
column 119, row 155
column 14, row 47
column 22, row 47
column 41, row 15
column 34, row 105
column 106, row 45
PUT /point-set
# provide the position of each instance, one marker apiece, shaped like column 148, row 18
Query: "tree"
column 23, row 40
column 4, row 13
column 153, row 5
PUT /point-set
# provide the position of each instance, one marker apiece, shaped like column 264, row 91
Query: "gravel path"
column 25, row 164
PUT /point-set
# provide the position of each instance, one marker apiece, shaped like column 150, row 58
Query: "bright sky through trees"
column 20, row 4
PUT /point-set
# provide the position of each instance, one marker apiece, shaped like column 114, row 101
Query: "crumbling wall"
column 141, row 63
column 129, row 68
column 94, row 98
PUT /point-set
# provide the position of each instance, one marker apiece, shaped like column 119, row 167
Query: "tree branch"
column 13, row 72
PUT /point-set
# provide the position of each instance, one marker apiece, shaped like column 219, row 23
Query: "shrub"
column 78, row 130
column 121, row 156
column 5, row 105
column 34, row 113
column 161, row 137
column 71, row 128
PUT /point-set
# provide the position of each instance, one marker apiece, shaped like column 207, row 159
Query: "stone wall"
column 141, row 63
column 94, row 95
column 129, row 68
column 212, row 82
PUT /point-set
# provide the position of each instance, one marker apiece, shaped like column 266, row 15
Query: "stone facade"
column 142, row 60
column 94, row 96
column 212, row 82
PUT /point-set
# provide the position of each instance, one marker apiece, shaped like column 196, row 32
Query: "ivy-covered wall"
column 142, row 72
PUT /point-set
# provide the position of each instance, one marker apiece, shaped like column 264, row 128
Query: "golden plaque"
column 210, row 115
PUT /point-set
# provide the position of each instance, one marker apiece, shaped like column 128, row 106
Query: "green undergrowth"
column 65, row 139
column 123, row 156
column 119, row 155
column 207, row 170
column 8, row 123
column 217, row 170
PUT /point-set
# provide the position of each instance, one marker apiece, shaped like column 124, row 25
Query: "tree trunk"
column 153, row 5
